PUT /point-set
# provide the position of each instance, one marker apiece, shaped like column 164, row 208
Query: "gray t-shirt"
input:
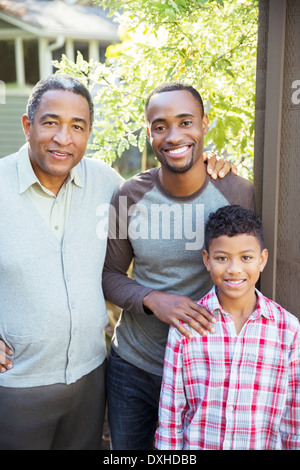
column 163, row 235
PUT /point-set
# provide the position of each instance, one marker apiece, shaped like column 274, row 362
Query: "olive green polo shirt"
column 53, row 209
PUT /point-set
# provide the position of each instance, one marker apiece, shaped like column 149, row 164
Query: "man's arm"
column 118, row 287
column 172, row 309
column 128, row 294
column 5, row 363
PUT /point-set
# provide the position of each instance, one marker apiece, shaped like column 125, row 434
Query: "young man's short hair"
column 175, row 86
column 233, row 220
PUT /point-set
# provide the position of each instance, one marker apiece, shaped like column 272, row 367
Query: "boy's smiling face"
column 235, row 264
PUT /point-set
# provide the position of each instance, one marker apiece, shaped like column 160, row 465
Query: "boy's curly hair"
column 233, row 220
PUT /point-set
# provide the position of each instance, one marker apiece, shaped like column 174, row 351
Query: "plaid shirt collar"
column 211, row 302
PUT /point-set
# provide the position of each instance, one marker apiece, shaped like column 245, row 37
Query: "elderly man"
column 52, row 306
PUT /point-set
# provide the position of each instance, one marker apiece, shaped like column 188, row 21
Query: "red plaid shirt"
column 229, row 391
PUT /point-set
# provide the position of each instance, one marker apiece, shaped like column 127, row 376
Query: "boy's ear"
column 205, row 257
column 263, row 259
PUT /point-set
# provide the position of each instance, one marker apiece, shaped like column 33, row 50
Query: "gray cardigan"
column 52, row 309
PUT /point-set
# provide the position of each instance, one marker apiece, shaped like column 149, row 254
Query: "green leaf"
column 142, row 139
column 188, row 62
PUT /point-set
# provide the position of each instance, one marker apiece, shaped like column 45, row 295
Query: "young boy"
column 238, row 388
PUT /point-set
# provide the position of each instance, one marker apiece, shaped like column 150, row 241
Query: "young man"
column 238, row 389
column 154, row 223
column 51, row 260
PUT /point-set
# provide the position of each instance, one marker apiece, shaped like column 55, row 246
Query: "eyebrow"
column 56, row 116
column 178, row 116
column 241, row 252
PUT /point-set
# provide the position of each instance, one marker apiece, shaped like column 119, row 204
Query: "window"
column 7, row 61
column 82, row 47
column 31, row 61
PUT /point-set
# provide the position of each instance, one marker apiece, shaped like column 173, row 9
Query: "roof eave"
column 29, row 28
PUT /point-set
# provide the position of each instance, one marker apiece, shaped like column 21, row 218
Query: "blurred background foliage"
column 210, row 44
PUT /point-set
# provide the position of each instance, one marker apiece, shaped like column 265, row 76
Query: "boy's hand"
column 173, row 308
column 5, row 363
column 217, row 167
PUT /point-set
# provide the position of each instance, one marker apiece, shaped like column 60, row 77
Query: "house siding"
column 11, row 131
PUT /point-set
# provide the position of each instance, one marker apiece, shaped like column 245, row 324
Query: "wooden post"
column 272, row 140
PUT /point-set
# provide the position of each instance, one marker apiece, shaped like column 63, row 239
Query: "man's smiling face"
column 58, row 136
column 176, row 128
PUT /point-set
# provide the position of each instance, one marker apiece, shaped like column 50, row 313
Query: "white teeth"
column 235, row 282
column 60, row 154
column 180, row 150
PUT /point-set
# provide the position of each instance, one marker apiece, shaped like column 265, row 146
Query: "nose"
column 62, row 136
column 174, row 135
column 234, row 267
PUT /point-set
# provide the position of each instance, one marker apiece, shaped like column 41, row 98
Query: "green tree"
column 209, row 44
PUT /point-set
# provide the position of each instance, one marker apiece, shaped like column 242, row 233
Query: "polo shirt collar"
column 27, row 177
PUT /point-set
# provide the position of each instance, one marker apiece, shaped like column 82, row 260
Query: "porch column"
column 20, row 68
